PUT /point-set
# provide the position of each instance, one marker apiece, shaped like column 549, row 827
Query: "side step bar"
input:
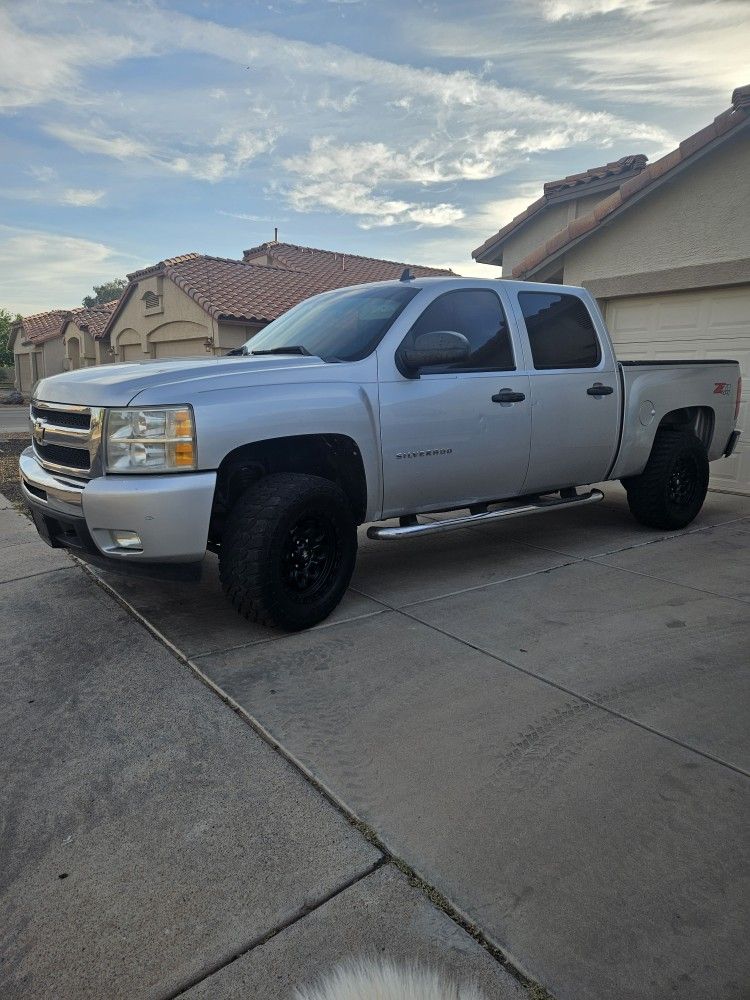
column 540, row 506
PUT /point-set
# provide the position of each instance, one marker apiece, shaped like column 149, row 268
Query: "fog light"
column 130, row 540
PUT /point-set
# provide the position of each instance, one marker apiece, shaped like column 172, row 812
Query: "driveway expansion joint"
column 262, row 939
column 514, row 967
column 576, row 694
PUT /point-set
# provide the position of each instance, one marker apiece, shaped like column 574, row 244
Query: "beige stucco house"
column 79, row 330
column 37, row 348
column 202, row 305
column 665, row 248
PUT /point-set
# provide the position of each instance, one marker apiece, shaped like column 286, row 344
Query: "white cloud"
column 42, row 270
column 240, row 149
column 81, row 197
column 37, row 67
column 53, row 194
column 561, row 10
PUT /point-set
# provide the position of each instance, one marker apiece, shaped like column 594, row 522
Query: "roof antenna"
column 406, row 275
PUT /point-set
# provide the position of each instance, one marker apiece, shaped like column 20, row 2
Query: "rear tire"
column 288, row 550
column 670, row 491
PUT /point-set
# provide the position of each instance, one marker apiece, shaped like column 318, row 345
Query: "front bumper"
column 170, row 513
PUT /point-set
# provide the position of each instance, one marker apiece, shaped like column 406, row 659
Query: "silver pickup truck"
column 375, row 403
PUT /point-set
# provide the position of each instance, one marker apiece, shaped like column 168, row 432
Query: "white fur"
column 367, row 980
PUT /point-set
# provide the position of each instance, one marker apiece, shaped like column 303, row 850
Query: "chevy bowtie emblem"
column 38, row 432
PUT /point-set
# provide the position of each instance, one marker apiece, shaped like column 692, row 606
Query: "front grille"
column 67, row 437
column 72, row 458
column 62, row 418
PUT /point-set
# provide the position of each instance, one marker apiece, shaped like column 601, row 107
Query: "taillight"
column 739, row 399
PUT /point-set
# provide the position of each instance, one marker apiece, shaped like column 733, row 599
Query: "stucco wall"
column 701, row 216
column 541, row 227
column 180, row 317
column 86, row 344
column 53, row 354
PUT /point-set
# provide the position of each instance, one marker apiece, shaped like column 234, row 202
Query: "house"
column 79, row 330
column 665, row 248
column 37, row 348
column 197, row 304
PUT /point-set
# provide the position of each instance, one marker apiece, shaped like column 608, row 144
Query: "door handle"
column 508, row 396
column 597, row 389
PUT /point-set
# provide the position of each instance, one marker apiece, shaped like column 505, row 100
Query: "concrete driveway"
column 547, row 721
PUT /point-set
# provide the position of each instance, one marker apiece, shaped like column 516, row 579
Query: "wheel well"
column 698, row 419
column 332, row 456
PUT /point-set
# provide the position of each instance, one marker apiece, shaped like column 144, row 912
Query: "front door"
column 459, row 433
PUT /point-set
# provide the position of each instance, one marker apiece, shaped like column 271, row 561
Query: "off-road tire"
column 258, row 565
column 670, row 491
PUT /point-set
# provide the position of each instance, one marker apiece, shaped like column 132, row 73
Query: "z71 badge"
column 722, row 388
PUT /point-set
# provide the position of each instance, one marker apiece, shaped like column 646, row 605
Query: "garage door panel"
column 180, row 348
column 690, row 326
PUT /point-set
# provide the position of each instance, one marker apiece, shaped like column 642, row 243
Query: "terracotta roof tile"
column 624, row 165
column 555, row 190
column 336, row 266
column 258, row 293
column 735, row 117
column 39, row 327
column 154, row 268
column 91, row 320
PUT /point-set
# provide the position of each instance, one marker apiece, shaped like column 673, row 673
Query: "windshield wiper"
column 294, row 349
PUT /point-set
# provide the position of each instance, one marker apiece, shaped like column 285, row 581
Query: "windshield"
column 344, row 325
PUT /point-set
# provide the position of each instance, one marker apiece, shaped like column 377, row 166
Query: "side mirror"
column 438, row 347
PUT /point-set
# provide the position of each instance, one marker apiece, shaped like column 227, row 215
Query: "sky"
column 406, row 129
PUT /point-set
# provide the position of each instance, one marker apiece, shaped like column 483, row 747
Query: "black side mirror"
column 438, row 347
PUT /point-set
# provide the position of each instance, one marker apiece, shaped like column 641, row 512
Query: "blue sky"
column 405, row 129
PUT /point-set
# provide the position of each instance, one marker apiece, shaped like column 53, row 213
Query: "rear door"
column 575, row 391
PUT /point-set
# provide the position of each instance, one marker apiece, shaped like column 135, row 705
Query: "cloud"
column 53, row 194
column 240, row 149
column 81, row 197
column 648, row 52
column 36, row 67
column 42, row 270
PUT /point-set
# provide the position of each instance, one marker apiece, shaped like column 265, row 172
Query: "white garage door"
column 180, row 348
column 704, row 324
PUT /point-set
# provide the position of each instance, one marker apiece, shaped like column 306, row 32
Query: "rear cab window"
column 561, row 331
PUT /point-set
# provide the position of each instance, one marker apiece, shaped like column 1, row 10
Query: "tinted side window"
column 478, row 315
column 560, row 330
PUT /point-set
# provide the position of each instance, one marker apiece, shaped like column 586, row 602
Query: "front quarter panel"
column 230, row 418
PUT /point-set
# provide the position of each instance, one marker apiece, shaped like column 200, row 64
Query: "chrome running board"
column 540, row 506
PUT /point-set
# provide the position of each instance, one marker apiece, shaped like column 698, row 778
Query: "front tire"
column 670, row 491
column 288, row 550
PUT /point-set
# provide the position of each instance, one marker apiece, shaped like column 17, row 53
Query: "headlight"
column 158, row 439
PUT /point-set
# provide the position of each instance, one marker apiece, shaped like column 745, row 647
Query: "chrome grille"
column 67, row 438
column 62, row 418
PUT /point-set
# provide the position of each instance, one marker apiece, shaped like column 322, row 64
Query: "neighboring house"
column 37, row 347
column 665, row 248
column 79, row 330
column 203, row 305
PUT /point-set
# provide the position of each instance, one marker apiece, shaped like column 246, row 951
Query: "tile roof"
column 338, row 268
column 258, row 293
column 39, row 327
column 92, row 320
column 594, row 177
column 624, row 165
column 720, row 128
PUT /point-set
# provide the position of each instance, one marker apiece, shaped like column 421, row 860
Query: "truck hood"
column 176, row 379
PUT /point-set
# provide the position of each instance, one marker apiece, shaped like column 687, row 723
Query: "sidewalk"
column 153, row 843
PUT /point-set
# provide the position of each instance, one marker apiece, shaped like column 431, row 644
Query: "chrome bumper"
column 170, row 513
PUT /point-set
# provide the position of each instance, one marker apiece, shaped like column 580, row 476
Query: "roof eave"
column 540, row 266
